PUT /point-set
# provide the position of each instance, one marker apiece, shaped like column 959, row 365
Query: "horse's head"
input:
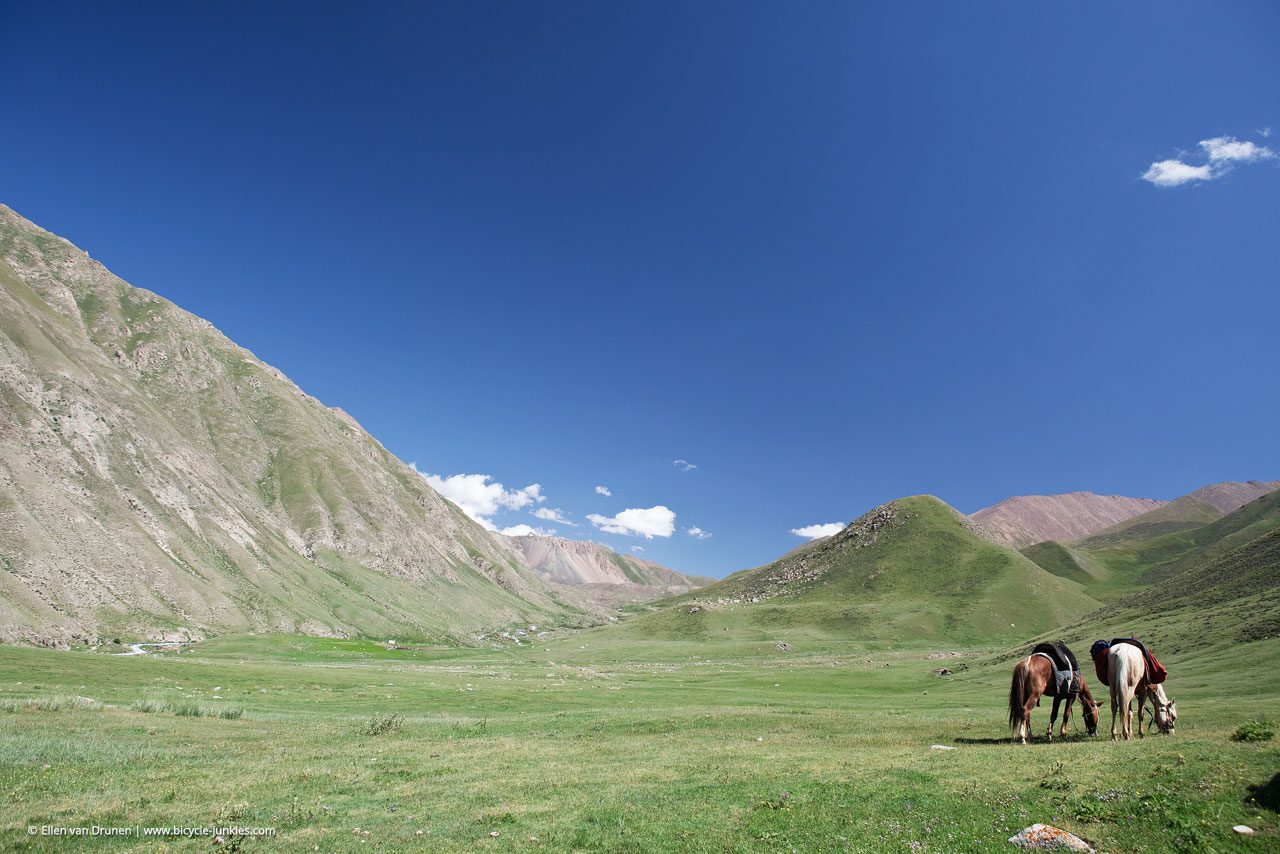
column 1090, row 716
column 1166, row 713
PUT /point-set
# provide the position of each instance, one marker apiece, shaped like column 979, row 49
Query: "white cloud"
column 817, row 531
column 644, row 522
column 637, row 549
column 603, row 490
column 481, row 499
column 553, row 514
column 1227, row 149
column 523, row 530
column 697, row 532
column 1221, row 153
column 1175, row 173
column 683, row 465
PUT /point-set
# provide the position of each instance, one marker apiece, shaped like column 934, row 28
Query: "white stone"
column 1046, row 837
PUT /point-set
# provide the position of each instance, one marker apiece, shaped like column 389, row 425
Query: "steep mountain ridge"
column 1026, row 519
column 158, row 480
column 567, row 561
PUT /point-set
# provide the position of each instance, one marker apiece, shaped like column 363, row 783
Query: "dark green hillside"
column 1065, row 562
column 910, row 570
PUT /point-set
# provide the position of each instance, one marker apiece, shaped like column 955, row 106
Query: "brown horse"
column 1031, row 677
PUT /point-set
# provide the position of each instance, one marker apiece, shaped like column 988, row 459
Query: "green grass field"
column 596, row 741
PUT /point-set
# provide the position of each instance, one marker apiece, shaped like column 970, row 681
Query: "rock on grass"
column 1046, row 837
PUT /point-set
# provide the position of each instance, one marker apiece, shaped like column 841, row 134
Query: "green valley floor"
column 595, row 742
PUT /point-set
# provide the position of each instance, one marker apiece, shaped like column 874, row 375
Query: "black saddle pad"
column 1063, row 659
column 1066, row 670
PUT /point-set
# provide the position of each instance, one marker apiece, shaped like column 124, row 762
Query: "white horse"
column 1127, row 675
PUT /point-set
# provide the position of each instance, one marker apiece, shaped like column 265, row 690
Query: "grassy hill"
column 911, row 570
column 158, row 480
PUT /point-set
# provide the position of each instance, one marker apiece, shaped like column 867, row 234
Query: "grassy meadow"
column 596, row 741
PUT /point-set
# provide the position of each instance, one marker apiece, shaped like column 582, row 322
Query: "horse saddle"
column 1156, row 672
column 1066, row 670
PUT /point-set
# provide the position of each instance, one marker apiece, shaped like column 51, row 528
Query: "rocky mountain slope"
column 1186, row 512
column 911, row 569
column 1230, row 496
column 1025, row 519
column 156, row 480
column 581, row 562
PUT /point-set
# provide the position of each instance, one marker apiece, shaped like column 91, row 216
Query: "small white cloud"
column 697, row 532
column 1221, row 153
column 1175, row 173
column 1228, row 149
column 683, row 465
column 1264, row 133
column 553, row 514
column 603, row 490
column 479, row 498
column 637, row 549
column 647, row 522
column 523, row 530
column 814, row 532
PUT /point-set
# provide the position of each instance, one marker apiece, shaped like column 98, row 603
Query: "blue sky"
column 829, row 254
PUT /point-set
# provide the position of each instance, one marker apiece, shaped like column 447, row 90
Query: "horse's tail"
column 1018, row 690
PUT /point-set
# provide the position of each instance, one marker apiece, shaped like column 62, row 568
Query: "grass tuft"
column 1254, row 730
column 57, row 703
column 186, row 709
column 382, row 724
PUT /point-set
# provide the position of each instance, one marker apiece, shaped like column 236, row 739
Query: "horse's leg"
column 1053, row 717
column 1115, row 707
column 1026, row 717
column 1141, row 703
column 1066, row 716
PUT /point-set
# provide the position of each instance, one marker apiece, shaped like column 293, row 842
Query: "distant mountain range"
column 1027, row 519
column 580, row 562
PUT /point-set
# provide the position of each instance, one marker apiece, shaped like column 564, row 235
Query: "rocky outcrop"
column 1026, row 519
